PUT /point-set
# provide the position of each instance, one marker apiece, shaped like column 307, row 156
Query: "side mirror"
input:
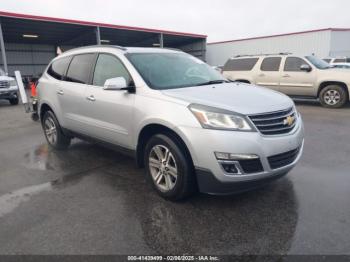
column 118, row 83
column 305, row 68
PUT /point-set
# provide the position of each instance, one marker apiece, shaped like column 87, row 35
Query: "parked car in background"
column 341, row 65
column 182, row 120
column 306, row 77
column 8, row 88
column 338, row 61
column 218, row 68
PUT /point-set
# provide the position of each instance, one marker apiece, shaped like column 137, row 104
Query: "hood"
column 238, row 97
column 6, row 78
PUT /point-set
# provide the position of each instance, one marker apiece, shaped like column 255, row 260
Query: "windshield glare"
column 319, row 63
column 172, row 70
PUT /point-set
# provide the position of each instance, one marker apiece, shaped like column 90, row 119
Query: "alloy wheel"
column 50, row 130
column 163, row 168
column 332, row 97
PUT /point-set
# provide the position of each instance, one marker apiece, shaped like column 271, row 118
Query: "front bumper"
column 211, row 177
column 8, row 93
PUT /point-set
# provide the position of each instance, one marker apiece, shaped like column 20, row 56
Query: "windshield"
column 173, row 70
column 319, row 63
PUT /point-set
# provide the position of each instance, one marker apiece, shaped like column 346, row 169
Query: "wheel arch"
column 151, row 129
column 44, row 107
column 327, row 83
column 243, row 81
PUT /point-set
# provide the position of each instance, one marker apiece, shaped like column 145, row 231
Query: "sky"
column 220, row 20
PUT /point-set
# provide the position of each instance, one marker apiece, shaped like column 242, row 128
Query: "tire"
column 53, row 132
column 14, row 101
column 160, row 171
column 333, row 96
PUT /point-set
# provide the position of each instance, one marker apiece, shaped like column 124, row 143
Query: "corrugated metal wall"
column 31, row 60
column 305, row 43
column 197, row 49
column 340, row 44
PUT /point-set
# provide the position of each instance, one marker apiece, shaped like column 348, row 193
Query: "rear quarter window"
column 58, row 68
column 240, row 64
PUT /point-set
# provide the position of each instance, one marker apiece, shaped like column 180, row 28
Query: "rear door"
column 109, row 112
column 269, row 73
column 72, row 90
column 295, row 81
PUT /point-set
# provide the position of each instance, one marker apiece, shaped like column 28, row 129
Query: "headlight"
column 13, row 83
column 214, row 118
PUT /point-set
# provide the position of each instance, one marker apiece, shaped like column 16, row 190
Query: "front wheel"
column 333, row 96
column 53, row 132
column 169, row 168
column 14, row 101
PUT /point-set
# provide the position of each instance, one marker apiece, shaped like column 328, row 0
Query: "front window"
column 173, row 70
column 319, row 63
column 293, row 64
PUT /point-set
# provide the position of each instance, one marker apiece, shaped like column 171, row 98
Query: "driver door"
column 109, row 112
column 295, row 81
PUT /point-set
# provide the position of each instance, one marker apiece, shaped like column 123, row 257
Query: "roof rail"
column 281, row 53
column 90, row 46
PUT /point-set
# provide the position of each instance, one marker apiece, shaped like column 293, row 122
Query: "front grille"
column 4, row 84
column 251, row 166
column 275, row 123
column 284, row 159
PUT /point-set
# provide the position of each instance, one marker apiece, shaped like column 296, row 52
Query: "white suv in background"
column 338, row 61
column 304, row 77
column 178, row 117
column 8, row 88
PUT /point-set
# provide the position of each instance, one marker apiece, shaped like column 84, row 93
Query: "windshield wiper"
column 221, row 81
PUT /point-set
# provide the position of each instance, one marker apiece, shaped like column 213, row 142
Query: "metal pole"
column 98, row 35
column 3, row 52
column 161, row 41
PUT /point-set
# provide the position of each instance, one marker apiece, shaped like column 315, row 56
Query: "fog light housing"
column 230, row 168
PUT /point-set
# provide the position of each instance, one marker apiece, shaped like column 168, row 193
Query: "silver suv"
column 187, row 125
column 306, row 77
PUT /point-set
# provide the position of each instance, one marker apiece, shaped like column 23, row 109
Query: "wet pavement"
column 90, row 200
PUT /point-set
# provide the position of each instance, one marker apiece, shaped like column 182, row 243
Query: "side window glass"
column 241, row 64
column 271, row 64
column 80, row 68
column 293, row 64
column 339, row 60
column 58, row 68
column 108, row 66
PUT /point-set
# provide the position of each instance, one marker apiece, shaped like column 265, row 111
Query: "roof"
column 277, row 35
column 105, row 25
column 93, row 48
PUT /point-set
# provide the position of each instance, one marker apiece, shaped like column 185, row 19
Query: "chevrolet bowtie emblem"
column 289, row 120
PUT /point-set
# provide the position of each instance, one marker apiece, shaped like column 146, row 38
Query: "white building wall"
column 340, row 44
column 317, row 43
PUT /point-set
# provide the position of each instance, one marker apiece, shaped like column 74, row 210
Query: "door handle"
column 286, row 75
column 91, row 98
column 60, row 92
column 261, row 75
